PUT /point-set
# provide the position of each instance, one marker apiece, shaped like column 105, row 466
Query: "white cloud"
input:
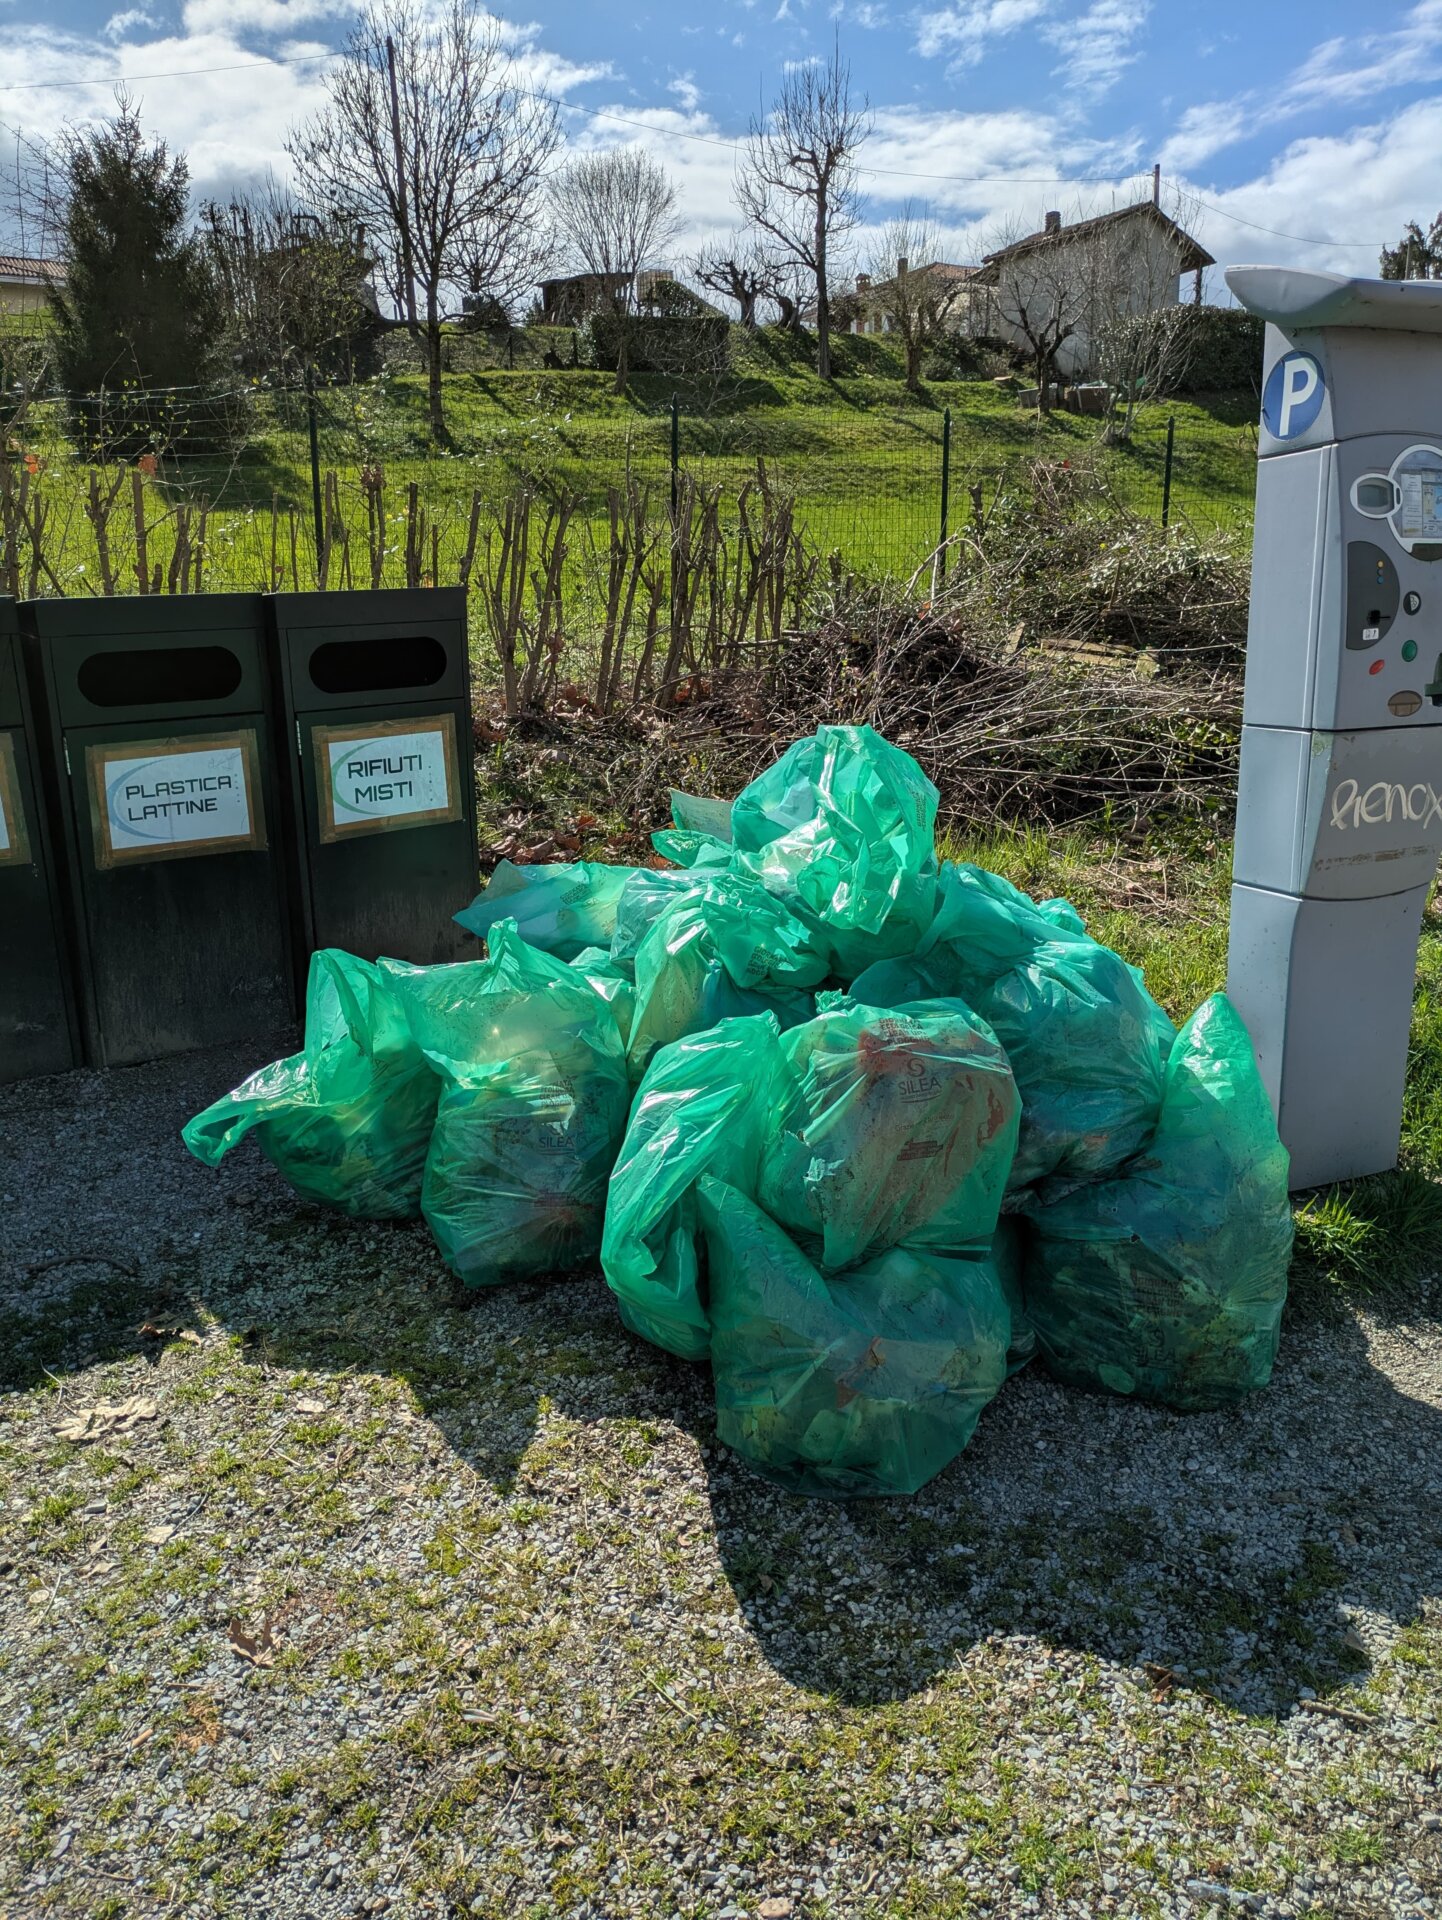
column 1362, row 65
column 860, row 13
column 119, row 24
column 1353, row 191
column 1096, row 48
column 1202, row 131
column 964, row 30
column 686, row 91
column 235, row 18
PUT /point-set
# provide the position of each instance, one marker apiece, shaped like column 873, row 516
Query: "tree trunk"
column 790, row 313
column 1043, row 380
column 748, row 308
column 913, row 365
column 433, row 367
column 623, row 350
column 823, row 297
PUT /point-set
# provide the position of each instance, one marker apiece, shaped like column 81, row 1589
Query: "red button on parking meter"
column 1376, row 666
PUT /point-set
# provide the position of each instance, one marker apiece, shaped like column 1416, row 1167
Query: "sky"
column 1302, row 134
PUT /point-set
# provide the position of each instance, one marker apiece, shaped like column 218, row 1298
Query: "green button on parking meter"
column 380, row 789
column 37, row 1011
column 158, row 722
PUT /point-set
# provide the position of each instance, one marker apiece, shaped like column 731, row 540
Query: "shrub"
column 1218, row 349
column 690, row 348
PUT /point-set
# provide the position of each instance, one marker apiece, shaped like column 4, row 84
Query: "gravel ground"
column 376, row 1602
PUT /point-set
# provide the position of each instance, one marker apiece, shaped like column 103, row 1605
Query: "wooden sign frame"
column 324, row 737
column 99, row 757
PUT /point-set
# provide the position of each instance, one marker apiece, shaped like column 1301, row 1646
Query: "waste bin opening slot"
column 159, row 676
column 374, row 666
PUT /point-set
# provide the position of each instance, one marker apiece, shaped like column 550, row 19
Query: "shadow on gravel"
column 1227, row 1553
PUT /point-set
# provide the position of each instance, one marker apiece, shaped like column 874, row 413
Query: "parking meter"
column 1339, row 807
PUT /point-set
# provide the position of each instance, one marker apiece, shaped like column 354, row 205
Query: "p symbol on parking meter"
column 1293, row 397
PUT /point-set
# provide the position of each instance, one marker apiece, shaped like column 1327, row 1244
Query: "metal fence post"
column 314, row 459
column 945, row 488
column 1167, row 470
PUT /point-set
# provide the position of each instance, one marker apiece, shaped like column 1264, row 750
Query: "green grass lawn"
column 861, row 456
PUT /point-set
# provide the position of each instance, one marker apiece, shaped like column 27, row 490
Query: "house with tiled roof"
column 25, row 282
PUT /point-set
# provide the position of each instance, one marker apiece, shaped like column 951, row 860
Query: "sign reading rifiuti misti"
column 385, row 775
column 159, row 799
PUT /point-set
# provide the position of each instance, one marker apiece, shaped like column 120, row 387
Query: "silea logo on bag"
column 1383, row 802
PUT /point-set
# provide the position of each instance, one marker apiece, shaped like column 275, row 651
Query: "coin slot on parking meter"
column 159, row 737
column 380, row 789
column 38, row 1031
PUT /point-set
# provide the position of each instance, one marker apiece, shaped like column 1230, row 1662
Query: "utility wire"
column 703, row 139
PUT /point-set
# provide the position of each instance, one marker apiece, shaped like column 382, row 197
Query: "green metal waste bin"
column 159, row 728
column 375, row 688
column 38, row 1032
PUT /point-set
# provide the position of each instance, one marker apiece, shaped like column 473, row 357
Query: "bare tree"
column 921, row 300
column 613, row 212
column 431, row 143
column 1037, row 288
column 32, row 222
column 1137, row 336
column 294, row 285
column 1104, row 286
column 737, row 269
column 797, row 182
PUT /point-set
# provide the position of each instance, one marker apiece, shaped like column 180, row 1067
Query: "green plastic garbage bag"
column 842, row 828
column 701, row 1108
column 647, row 894
column 559, row 908
column 1085, row 1039
column 532, row 1110
column 1007, row 1255
column 614, row 982
column 893, row 1128
column 701, row 814
column 347, row 1121
column 860, row 1383
column 700, row 835
column 856, row 1128
column 724, row 949
column 1167, row 1280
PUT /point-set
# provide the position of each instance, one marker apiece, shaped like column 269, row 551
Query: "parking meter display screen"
column 1419, row 486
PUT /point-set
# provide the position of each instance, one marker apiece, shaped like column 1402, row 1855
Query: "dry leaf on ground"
column 311, row 1406
column 157, row 1536
column 254, row 1647
column 117, row 1416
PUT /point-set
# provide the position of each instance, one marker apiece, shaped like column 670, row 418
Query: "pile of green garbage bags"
column 863, row 1130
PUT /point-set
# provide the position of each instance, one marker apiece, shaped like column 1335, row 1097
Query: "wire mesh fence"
column 265, row 487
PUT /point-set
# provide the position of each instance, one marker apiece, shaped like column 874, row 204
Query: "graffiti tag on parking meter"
column 1293, row 396
column 390, row 774
column 1383, row 802
column 154, row 800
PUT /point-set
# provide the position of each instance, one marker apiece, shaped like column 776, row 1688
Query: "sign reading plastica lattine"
column 391, row 774
column 156, row 800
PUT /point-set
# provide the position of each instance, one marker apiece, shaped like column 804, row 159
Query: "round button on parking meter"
column 1411, row 602
column 1409, row 651
column 1376, row 666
